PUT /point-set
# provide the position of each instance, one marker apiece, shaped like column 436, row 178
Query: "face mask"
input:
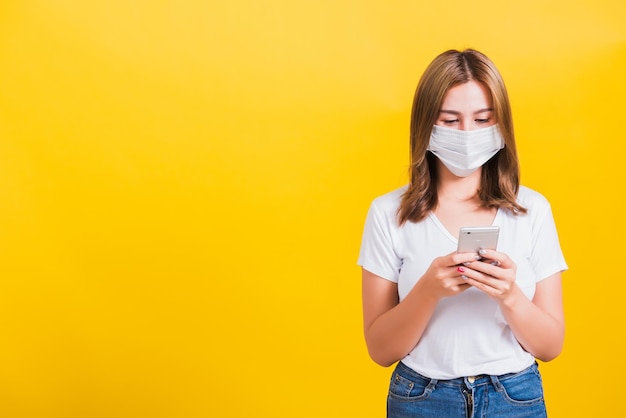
column 463, row 152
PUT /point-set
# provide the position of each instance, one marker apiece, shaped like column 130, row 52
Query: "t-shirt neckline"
column 447, row 233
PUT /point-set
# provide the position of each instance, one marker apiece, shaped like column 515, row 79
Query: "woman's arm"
column 538, row 325
column 392, row 328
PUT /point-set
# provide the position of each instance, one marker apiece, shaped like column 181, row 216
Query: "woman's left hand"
column 494, row 274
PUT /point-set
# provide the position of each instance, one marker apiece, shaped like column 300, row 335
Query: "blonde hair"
column 500, row 175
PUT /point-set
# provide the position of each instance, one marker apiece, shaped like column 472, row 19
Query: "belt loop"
column 431, row 385
column 496, row 383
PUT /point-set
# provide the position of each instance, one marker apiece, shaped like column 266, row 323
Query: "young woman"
column 466, row 328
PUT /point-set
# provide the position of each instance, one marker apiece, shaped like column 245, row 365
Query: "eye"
column 482, row 120
column 450, row 121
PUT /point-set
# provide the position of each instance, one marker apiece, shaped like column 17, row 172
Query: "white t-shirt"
column 467, row 334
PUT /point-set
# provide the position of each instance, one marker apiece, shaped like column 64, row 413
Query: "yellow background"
column 183, row 186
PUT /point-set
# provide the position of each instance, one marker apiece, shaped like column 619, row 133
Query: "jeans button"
column 471, row 379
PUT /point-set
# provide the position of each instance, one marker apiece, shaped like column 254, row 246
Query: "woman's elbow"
column 384, row 362
column 381, row 357
column 549, row 353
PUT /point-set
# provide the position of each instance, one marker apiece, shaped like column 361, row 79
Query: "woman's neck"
column 458, row 203
column 458, row 189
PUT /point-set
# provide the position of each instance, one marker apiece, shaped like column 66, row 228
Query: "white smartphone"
column 473, row 238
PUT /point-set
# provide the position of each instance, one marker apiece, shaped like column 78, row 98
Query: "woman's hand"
column 444, row 276
column 494, row 274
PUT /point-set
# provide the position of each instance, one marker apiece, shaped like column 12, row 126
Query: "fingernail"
column 477, row 257
column 495, row 263
column 482, row 252
column 467, row 263
column 461, row 269
column 463, row 276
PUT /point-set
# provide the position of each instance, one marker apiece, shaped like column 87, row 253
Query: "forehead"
column 467, row 96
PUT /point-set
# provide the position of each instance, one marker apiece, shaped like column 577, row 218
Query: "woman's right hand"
column 444, row 276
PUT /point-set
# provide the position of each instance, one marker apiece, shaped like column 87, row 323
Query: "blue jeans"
column 513, row 395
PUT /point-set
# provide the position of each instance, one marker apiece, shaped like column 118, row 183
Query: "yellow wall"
column 183, row 187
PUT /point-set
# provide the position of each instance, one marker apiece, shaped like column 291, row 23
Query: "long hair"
column 500, row 175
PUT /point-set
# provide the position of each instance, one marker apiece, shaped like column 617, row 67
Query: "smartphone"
column 473, row 238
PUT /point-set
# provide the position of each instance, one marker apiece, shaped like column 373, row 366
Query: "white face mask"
column 463, row 152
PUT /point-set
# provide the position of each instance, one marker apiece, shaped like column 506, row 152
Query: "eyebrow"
column 454, row 112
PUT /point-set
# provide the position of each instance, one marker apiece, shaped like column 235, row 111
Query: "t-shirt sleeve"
column 377, row 253
column 547, row 257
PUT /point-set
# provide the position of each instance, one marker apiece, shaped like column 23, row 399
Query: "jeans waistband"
column 468, row 380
